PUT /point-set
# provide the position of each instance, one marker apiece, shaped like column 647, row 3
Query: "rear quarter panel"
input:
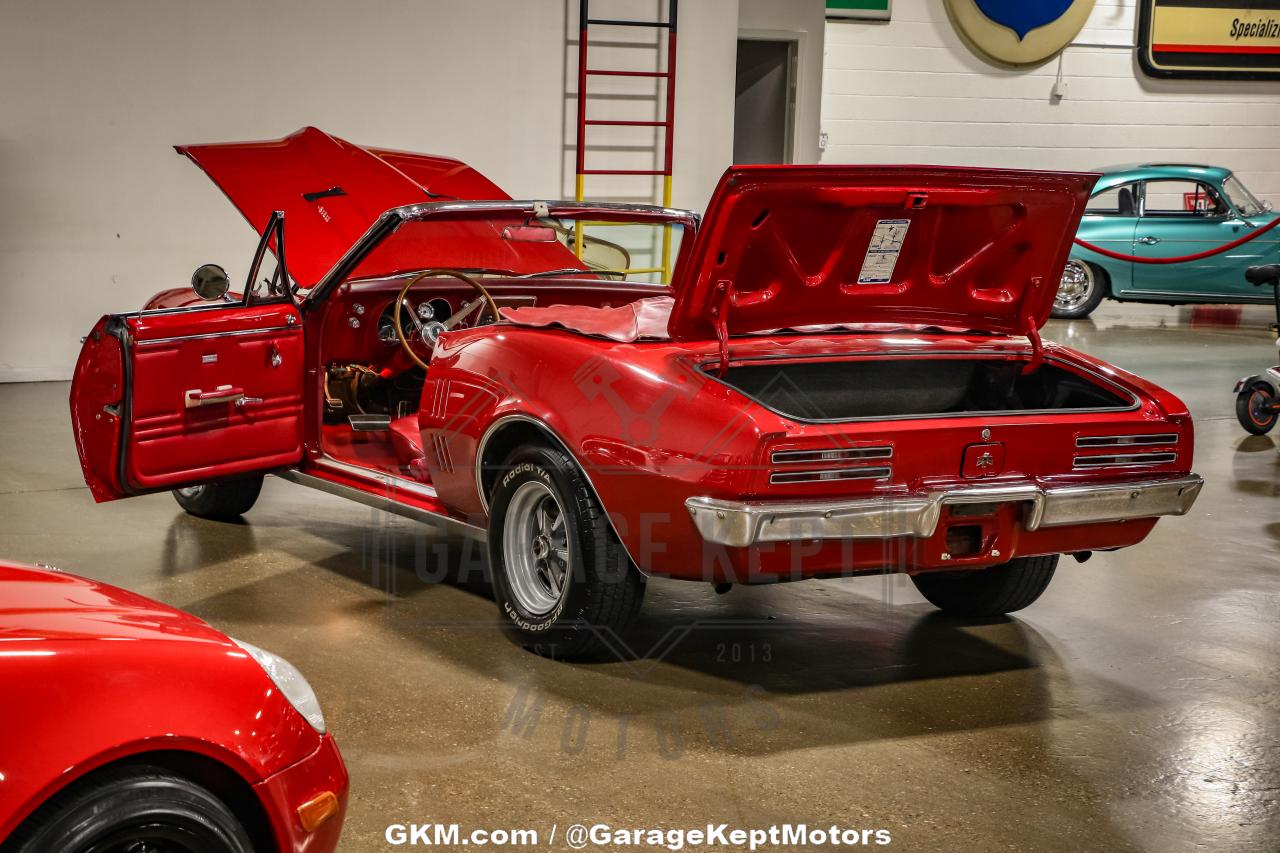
column 646, row 428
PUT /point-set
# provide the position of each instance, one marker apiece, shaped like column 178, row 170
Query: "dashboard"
column 427, row 311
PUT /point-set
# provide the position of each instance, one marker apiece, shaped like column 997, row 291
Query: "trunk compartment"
column 905, row 387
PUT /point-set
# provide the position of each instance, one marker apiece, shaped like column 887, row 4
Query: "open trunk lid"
column 794, row 246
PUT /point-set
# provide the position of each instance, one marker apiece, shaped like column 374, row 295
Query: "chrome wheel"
column 190, row 492
column 535, row 548
column 1076, row 288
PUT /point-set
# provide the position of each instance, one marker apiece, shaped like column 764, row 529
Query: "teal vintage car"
column 1164, row 210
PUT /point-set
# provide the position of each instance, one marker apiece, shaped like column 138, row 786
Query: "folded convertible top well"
column 647, row 319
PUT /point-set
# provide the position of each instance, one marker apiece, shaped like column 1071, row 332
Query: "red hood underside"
column 793, row 246
column 332, row 191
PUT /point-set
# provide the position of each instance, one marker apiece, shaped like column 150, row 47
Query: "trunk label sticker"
column 882, row 253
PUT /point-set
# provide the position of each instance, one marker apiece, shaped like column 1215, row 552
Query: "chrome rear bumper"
column 739, row 524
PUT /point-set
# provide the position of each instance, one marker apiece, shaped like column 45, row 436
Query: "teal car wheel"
column 1081, row 289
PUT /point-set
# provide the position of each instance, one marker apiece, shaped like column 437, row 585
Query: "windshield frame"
column 391, row 221
column 1231, row 182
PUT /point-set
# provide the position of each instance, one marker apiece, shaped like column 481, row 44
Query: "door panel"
column 97, row 388
column 1113, row 232
column 1185, row 217
column 1221, row 274
column 209, row 393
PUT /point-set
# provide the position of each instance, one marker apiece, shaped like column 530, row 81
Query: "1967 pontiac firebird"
column 844, row 375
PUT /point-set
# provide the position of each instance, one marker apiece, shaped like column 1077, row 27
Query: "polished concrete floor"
column 1135, row 707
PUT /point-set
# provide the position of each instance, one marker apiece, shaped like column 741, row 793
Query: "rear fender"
column 1270, row 377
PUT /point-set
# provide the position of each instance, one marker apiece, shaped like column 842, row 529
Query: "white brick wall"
column 97, row 212
column 911, row 92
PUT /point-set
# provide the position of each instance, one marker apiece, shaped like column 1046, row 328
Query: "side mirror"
column 210, row 282
column 1268, row 206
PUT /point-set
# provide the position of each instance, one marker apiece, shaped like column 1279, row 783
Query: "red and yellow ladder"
column 668, row 122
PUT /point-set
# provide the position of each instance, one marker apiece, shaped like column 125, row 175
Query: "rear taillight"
column 1126, row 451
column 818, row 465
column 832, row 454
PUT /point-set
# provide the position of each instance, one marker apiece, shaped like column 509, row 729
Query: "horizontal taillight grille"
column 1126, row 450
column 831, row 464
column 1097, row 442
column 830, row 454
column 828, row 474
column 1126, row 459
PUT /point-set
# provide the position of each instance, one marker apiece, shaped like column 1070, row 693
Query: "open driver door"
column 176, row 397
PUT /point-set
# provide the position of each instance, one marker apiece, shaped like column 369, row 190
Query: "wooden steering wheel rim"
column 438, row 273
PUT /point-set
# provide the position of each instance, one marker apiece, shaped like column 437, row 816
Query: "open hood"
column 791, row 246
column 330, row 190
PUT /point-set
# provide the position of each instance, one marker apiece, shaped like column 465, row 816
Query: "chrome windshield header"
column 390, row 221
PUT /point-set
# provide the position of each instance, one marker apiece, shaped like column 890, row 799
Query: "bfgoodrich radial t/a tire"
column 562, row 580
column 220, row 501
column 133, row 809
column 988, row 592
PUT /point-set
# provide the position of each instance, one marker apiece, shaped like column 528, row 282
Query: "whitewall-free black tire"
column 988, row 592
column 220, row 501
column 132, row 809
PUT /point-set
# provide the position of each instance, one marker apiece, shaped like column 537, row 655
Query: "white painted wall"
column 909, row 91
column 97, row 212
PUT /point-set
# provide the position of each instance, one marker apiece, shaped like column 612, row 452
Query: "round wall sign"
column 1019, row 32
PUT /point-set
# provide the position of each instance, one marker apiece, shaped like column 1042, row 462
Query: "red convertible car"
column 837, row 371
column 130, row 727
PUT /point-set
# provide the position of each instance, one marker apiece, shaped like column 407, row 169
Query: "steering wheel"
column 429, row 334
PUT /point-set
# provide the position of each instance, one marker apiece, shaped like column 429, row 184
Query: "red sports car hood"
column 330, row 190
column 42, row 604
column 788, row 246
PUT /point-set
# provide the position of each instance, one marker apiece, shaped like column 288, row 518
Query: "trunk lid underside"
column 958, row 248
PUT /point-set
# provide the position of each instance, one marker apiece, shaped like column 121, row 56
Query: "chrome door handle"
column 1149, row 241
column 195, row 398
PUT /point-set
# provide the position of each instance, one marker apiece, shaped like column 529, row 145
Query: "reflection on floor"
column 1136, row 707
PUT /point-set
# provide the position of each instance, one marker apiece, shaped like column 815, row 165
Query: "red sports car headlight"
column 290, row 681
